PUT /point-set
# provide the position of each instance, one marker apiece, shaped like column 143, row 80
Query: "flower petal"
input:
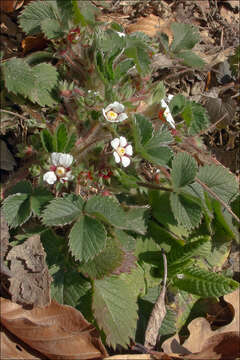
column 55, row 158
column 115, row 143
column 163, row 104
column 50, row 177
column 119, row 108
column 125, row 161
column 129, row 150
column 123, row 141
column 169, row 97
column 121, row 34
column 104, row 113
column 69, row 176
column 65, row 160
column 121, row 117
column 116, row 157
column 109, row 107
column 169, row 117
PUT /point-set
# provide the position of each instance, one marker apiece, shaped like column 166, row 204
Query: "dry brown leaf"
column 56, row 331
column 151, row 25
column 10, row 5
column 200, row 331
column 33, row 43
column 30, row 281
column 10, row 349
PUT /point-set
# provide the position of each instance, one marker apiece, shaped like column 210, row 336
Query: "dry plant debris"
column 56, row 331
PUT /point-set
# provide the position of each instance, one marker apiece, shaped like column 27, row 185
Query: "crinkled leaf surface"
column 115, row 308
column 16, row 209
column 185, row 36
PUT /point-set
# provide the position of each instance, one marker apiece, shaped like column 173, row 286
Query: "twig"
column 215, row 196
column 15, row 114
column 153, row 186
column 158, row 313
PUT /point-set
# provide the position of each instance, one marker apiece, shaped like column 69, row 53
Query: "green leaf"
column 62, row 211
column 186, row 210
column 18, row 76
column 184, row 169
column 16, row 209
column 108, row 209
column 112, row 297
column 34, row 13
column 206, row 284
column 143, row 129
column 185, row 37
column 158, row 93
column 47, row 141
column 61, row 137
column 196, row 118
column 122, row 68
column 220, row 181
column 86, row 12
column 23, row 187
column 127, row 242
column 51, row 29
column 39, row 198
column 177, row 104
column 136, row 49
column 87, row 238
column 168, row 326
column 66, row 13
column 104, row 263
column 45, row 77
column 191, row 59
column 70, row 143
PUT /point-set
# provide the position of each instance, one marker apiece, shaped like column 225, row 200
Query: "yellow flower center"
column 111, row 115
column 60, row 171
column 120, row 151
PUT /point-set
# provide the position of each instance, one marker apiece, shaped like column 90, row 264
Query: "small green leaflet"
column 184, row 169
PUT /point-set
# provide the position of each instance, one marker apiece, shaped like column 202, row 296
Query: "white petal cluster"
column 115, row 112
column 60, row 169
column 167, row 113
column 122, row 152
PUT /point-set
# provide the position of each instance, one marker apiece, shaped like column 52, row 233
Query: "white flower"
column 121, row 34
column 123, row 151
column 115, row 112
column 60, row 168
column 167, row 112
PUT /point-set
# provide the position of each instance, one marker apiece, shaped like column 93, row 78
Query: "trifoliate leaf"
column 18, row 76
column 16, row 209
column 196, row 117
column 184, row 169
column 109, row 210
column 46, row 77
column 51, row 29
column 61, row 137
column 206, row 284
column 47, row 141
column 34, row 13
column 220, row 181
column 61, row 211
column 177, row 104
column 143, row 129
column 115, row 309
column 186, row 211
column 191, row 59
column 185, row 37
column 39, row 198
column 104, row 263
column 87, row 238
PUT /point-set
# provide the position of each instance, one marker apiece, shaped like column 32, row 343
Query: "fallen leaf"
column 30, row 281
column 56, row 331
column 10, row 349
column 10, row 5
column 33, row 43
column 151, row 25
column 7, row 161
column 200, row 331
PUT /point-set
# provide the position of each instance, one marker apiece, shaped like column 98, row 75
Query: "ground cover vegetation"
column 121, row 199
